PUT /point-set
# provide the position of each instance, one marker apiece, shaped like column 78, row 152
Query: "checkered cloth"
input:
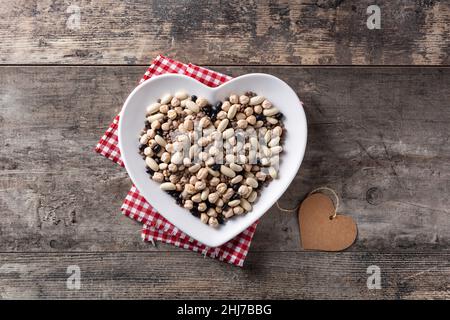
column 156, row 227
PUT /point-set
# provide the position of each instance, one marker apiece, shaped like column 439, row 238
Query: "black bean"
column 142, row 146
column 216, row 167
column 218, row 105
column 235, row 196
column 195, row 212
column 213, row 113
column 194, row 97
column 236, row 187
column 260, row 117
column 174, row 194
column 156, row 148
column 149, row 171
column 147, row 124
column 279, row 116
column 220, row 219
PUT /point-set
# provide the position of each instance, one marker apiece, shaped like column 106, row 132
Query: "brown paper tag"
column 318, row 231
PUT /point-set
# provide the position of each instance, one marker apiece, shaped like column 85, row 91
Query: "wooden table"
column 378, row 107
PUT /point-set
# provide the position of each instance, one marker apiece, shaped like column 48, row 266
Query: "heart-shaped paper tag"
column 319, row 230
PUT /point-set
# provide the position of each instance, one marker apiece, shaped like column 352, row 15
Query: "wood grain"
column 267, row 275
column 314, row 32
column 378, row 136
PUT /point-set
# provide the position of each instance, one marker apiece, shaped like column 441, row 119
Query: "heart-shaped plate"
column 132, row 121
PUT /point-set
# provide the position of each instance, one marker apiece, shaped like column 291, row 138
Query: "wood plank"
column 379, row 136
column 184, row 275
column 322, row 32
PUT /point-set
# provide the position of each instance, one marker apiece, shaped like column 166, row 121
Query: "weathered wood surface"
column 379, row 136
column 324, row 32
column 277, row 275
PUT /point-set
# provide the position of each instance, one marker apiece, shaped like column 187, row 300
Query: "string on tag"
column 324, row 188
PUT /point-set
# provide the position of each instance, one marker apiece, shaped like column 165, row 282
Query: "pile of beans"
column 213, row 159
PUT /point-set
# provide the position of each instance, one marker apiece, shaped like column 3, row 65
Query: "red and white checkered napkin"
column 156, row 227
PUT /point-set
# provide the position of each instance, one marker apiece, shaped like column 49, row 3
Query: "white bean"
column 204, row 218
column 273, row 172
column 227, row 171
column 234, row 203
column 181, row 95
column 204, row 195
column 160, row 140
column 151, row 163
column 202, row 173
column 228, row 133
column 197, row 197
column 266, row 151
column 242, row 124
column 155, row 117
column 243, row 190
column 276, row 150
column 213, row 197
column 244, row 99
column 165, row 157
column 201, row 102
column 189, row 188
column 270, row 112
column 158, row 177
column 229, row 213
column 251, row 182
column 277, row 131
column 274, row 141
column 267, row 136
column 177, row 158
column 213, row 173
column 194, row 168
column 192, row 106
column 252, row 197
column 200, row 185
column 153, row 108
column 266, row 104
column 148, row 151
column 211, row 212
column 235, row 167
column 238, row 210
column 213, row 222
column 232, row 111
column 246, row 205
column 271, row 120
column 256, row 100
column 175, row 102
column 237, row 179
column 167, row 186
column 172, row 114
column 223, row 125
column 204, row 122
column 144, row 139
column 166, row 98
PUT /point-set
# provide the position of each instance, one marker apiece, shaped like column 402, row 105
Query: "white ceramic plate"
column 132, row 121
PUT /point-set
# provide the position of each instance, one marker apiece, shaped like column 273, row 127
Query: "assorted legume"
column 213, row 159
